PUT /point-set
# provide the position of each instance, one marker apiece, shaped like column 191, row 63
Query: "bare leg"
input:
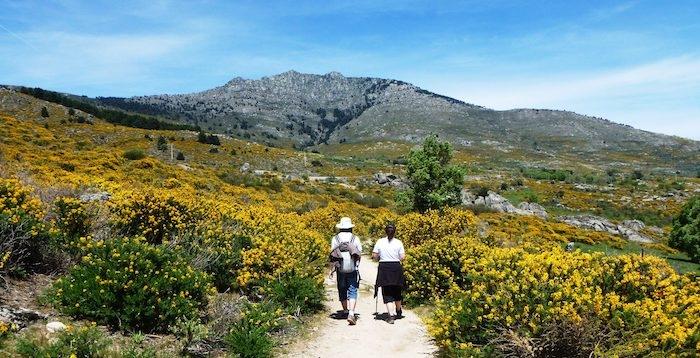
column 398, row 305
column 389, row 309
column 345, row 304
column 352, row 304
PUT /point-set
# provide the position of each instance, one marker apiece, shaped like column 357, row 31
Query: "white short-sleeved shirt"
column 389, row 251
column 345, row 237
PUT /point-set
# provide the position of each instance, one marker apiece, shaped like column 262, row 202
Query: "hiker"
column 390, row 252
column 346, row 250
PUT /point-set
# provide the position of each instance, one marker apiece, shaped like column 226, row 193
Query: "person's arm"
column 375, row 251
column 402, row 253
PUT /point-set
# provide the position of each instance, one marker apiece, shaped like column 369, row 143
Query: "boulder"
column 55, row 326
column 497, row 203
column 389, row 180
column 591, row 222
column 628, row 229
column 245, row 167
column 99, row 196
column 22, row 317
column 533, row 209
column 635, row 225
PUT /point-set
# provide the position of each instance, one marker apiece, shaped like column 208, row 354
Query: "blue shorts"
column 347, row 285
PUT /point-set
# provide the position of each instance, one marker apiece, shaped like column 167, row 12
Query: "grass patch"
column 679, row 261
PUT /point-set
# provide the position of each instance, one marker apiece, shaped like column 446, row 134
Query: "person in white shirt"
column 389, row 252
column 347, row 282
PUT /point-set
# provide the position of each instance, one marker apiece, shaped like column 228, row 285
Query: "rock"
column 185, row 167
column 22, row 317
column 570, row 246
column 495, row 202
column 628, row 229
column 388, row 179
column 55, row 326
column 245, row 167
column 99, row 196
column 590, row 222
column 635, row 225
column 533, row 209
column 381, row 178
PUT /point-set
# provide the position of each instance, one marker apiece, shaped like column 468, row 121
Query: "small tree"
column 162, row 144
column 180, row 156
column 433, row 182
column 202, row 137
column 44, row 112
column 71, row 111
column 685, row 234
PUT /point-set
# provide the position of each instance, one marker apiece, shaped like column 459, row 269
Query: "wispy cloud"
column 670, row 75
column 97, row 58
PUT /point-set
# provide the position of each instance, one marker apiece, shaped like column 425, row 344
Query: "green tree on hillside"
column 44, row 112
column 162, row 144
column 685, row 234
column 433, row 182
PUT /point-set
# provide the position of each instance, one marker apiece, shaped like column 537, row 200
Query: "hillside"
column 306, row 109
column 180, row 240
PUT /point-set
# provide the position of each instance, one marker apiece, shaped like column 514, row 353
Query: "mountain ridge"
column 307, row 110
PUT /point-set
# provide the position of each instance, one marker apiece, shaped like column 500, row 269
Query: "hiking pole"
column 376, row 302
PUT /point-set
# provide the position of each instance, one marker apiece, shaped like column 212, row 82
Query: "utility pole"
column 171, row 152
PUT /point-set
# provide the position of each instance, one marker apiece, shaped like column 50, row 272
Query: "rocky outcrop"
column 629, row 229
column 534, row 209
column 388, row 179
column 21, row 317
column 497, row 203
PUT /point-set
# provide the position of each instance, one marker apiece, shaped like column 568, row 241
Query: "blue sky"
column 634, row 62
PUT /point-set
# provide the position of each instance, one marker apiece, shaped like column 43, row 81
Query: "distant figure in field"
column 390, row 252
column 346, row 250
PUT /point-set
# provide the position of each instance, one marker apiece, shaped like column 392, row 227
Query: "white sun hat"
column 345, row 223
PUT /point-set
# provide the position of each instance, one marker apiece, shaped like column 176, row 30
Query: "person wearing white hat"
column 342, row 244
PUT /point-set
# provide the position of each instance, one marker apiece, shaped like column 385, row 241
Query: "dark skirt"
column 389, row 274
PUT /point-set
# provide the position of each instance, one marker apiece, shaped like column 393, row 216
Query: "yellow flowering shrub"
column 280, row 243
column 642, row 300
column 416, row 228
column 72, row 217
column 155, row 215
column 23, row 235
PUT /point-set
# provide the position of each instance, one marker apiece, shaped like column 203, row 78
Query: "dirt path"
column 371, row 337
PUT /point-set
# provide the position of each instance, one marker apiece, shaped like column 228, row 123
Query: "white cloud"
column 658, row 96
column 92, row 59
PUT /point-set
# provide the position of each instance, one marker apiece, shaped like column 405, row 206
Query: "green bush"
column 73, row 218
column 79, row 342
column 162, row 144
column 216, row 250
column 250, row 336
column 685, row 233
column 433, row 182
column 130, row 284
column 298, row 294
column 134, row 154
column 248, row 340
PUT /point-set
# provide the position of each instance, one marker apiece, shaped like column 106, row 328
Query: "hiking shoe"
column 399, row 314
column 352, row 320
column 390, row 320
